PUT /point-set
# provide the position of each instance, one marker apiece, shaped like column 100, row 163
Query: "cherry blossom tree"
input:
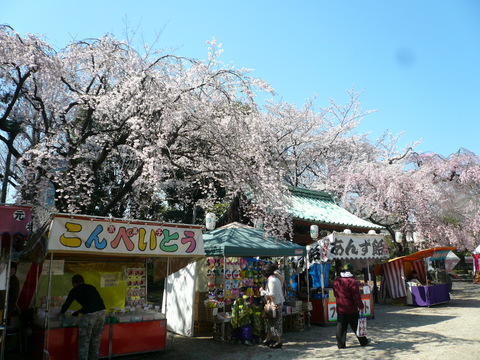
column 110, row 131
column 100, row 128
column 433, row 197
column 450, row 216
column 310, row 141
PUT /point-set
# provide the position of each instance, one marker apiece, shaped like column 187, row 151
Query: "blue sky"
column 417, row 61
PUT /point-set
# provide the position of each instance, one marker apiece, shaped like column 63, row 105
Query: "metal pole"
column 369, row 274
column 47, row 310
column 165, row 300
column 322, row 280
column 146, row 281
column 322, row 270
column 7, row 288
column 167, row 288
column 308, row 285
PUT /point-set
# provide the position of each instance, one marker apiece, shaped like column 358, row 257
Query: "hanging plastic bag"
column 270, row 310
column 362, row 325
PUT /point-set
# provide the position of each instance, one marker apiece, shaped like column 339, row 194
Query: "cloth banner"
column 357, row 246
column 15, row 220
column 362, row 326
column 439, row 255
column 15, row 224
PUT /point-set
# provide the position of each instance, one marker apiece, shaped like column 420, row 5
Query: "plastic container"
column 148, row 316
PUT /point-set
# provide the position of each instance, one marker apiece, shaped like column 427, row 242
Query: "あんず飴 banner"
column 356, row 246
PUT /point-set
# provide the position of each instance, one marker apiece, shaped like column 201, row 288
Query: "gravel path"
column 446, row 331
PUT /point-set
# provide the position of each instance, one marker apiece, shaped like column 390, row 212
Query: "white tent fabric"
column 477, row 250
column 451, row 261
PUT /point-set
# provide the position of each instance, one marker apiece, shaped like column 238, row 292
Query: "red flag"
column 476, row 259
column 28, row 289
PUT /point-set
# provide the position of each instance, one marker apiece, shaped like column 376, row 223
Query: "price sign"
column 366, row 307
column 332, row 312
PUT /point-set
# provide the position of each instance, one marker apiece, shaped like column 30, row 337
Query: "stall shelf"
column 79, row 239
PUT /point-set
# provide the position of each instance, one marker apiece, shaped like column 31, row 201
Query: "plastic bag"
column 270, row 311
column 362, row 326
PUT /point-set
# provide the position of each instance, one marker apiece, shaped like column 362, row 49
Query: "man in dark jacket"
column 90, row 326
column 349, row 302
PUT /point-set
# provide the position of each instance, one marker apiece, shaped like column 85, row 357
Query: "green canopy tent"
column 239, row 240
column 232, row 240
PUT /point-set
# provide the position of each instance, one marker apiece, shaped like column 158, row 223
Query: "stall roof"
column 239, row 240
column 426, row 253
column 320, row 207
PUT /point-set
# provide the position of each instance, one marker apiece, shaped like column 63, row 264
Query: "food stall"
column 14, row 229
column 110, row 254
column 359, row 249
column 232, row 268
column 424, row 292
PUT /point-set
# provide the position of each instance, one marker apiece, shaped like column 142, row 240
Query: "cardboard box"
column 200, row 296
column 202, row 327
column 199, row 312
column 297, row 303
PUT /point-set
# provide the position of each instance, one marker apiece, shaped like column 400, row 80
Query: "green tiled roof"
column 319, row 207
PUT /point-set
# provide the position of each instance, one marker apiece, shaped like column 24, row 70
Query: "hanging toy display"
column 231, row 278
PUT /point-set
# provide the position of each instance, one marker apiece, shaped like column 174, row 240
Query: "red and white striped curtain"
column 419, row 267
column 393, row 280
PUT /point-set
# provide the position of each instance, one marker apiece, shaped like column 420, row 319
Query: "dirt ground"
column 446, row 331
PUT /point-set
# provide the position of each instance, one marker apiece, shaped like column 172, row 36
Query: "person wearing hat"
column 349, row 303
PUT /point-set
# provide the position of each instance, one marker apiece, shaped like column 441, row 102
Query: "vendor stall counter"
column 427, row 295
column 324, row 311
column 116, row 340
column 111, row 254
